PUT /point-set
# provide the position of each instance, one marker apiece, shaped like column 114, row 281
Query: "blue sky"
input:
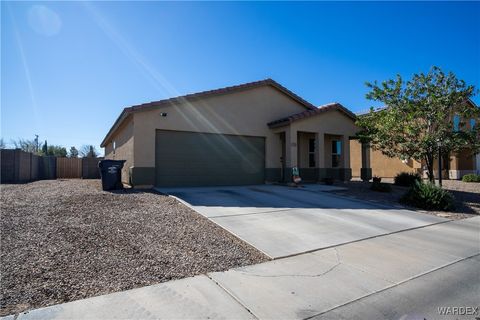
column 68, row 69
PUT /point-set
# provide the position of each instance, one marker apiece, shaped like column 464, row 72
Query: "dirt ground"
column 467, row 196
column 64, row 240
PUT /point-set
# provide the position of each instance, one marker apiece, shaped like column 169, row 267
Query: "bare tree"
column 88, row 151
column 25, row 145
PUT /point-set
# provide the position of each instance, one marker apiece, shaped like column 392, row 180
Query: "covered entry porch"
column 317, row 155
column 317, row 142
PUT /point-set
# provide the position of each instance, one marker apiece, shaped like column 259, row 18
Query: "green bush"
column 381, row 187
column 429, row 197
column 471, row 178
column 407, row 179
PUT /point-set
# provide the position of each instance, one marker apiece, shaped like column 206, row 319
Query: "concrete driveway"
column 284, row 221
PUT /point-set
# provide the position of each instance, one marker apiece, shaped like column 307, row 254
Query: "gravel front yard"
column 467, row 196
column 64, row 240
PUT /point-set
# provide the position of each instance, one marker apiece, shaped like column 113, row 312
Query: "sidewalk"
column 321, row 284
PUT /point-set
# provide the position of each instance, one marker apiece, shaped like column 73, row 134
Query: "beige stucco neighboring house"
column 246, row 134
column 454, row 165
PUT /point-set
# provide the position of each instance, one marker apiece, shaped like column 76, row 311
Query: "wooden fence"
column 90, row 168
column 18, row 166
column 69, row 168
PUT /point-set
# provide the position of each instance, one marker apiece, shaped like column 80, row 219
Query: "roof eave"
column 304, row 115
column 273, row 125
column 123, row 115
column 200, row 95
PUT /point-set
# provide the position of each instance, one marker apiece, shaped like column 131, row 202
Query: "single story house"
column 246, row 134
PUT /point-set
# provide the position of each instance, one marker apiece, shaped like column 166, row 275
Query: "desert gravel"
column 64, row 240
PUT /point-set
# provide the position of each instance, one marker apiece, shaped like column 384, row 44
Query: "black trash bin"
column 111, row 173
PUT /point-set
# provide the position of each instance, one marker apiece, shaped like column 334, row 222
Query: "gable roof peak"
column 225, row 90
column 203, row 94
column 308, row 113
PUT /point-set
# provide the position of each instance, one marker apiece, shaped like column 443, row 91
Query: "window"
column 114, row 146
column 336, row 153
column 472, row 124
column 311, row 153
column 456, row 122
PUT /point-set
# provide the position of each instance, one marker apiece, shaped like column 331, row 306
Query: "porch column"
column 454, row 173
column 366, row 170
column 290, row 149
column 346, row 151
column 320, row 149
column 347, row 171
column 320, row 155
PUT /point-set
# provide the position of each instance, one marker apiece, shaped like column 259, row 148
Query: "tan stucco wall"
column 108, row 151
column 241, row 113
column 124, row 147
column 382, row 166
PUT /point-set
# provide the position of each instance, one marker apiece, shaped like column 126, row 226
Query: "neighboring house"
column 382, row 166
column 247, row 134
column 454, row 166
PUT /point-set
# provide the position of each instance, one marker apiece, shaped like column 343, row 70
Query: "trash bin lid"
column 109, row 163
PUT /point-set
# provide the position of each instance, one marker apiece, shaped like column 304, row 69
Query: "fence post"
column 16, row 166
column 31, row 156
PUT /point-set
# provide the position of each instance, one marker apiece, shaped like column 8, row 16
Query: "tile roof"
column 309, row 113
column 202, row 94
column 150, row 105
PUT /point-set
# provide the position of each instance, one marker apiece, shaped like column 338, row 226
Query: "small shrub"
column 380, row 187
column 429, row 197
column 471, row 178
column 377, row 179
column 407, row 179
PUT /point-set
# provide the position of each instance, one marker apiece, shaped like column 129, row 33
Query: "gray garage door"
column 207, row 159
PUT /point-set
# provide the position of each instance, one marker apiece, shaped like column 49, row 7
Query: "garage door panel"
column 196, row 159
column 212, row 161
column 174, row 181
column 207, row 158
column 198, row 169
